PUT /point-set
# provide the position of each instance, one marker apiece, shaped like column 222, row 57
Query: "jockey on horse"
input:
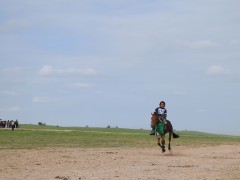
column 161, row 112
column 160, row 126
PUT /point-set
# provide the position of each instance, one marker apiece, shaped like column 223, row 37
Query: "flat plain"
column 69, row 153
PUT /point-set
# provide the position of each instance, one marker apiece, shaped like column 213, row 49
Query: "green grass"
column 34, row 136
column 199, row 138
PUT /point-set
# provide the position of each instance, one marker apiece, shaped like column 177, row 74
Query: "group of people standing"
column 9, row 124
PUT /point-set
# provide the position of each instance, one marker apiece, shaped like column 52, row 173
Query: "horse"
column 169, row 129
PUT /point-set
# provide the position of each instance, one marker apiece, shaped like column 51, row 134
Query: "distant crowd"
column 9, row 124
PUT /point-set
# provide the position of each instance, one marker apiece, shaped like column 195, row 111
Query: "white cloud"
column 201, row 110
column 98, row 92
column 8, row 93
column 216, row 70
column 49, row 71
column 203, row 44
column 11, row 109
column 179, row 93
column 13, row 24
column 133, row 90
column 14, row 71
column 42, row 99
column 235, row 42
column 80, row 85
column 14, row 109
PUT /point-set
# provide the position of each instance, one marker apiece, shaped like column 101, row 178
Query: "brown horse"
column 169, row 128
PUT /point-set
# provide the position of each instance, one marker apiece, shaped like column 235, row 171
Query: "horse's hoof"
column 163, row 150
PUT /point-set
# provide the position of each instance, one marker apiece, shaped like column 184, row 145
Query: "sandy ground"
column 212, row 162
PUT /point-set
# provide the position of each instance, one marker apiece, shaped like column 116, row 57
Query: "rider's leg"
column 152, row 131
column 165, row 125
column 165, row 121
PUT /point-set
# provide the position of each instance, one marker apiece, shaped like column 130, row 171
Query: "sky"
column 98, row 63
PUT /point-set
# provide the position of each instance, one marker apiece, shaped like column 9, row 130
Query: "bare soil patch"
column 210, row 162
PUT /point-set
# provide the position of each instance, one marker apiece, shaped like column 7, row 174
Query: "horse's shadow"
column 174, row 153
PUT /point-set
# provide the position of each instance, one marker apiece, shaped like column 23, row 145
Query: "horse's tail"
column 175, row 135
column 170, row 129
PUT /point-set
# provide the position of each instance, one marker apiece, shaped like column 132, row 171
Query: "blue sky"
column 99, row 63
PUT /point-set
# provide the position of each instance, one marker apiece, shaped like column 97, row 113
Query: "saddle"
column 155, row 119
column 160, row 128
column 158, row 124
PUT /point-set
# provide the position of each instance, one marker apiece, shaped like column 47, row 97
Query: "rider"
column 161, row 111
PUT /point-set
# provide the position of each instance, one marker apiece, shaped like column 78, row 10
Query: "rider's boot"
column 152, row 131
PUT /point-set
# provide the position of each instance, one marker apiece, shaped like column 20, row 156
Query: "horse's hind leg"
column 169, row 146
column 163, row 143
column 169, row 142
column 158, row 139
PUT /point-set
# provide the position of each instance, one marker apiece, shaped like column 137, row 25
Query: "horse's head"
column 154, row 119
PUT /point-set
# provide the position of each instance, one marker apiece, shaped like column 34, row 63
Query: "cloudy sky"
column 99, row 63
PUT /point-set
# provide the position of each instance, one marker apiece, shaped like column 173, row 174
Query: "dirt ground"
column 210, row 162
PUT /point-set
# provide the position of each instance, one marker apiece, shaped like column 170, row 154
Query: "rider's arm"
column 165, row 114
